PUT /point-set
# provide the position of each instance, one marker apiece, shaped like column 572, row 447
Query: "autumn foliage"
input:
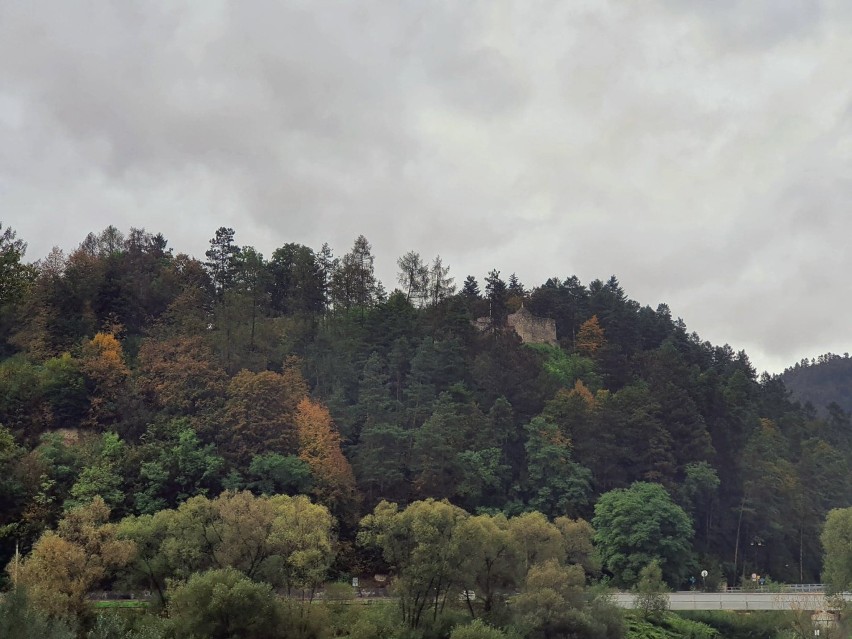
column 319, row 447
column 590, row 337
column 107, row 374
column 180, row 375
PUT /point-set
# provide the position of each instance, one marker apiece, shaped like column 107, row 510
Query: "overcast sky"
column 700, row 151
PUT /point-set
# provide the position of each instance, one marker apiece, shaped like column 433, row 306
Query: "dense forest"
column 824, row 382
column 143, row 391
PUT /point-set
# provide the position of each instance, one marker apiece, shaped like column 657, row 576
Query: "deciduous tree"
column 259, row 414
column 107, row 376
column 224, row 603
column 15, row 276
column 837, row 544
column 590, row 338
column 319, row 448
column 418, row 542
column 637, row 525
column 65, row 565
column 180, row 376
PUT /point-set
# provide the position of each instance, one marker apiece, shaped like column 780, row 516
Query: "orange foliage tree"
column 259, row 414
column 180, row 376
column 319, row 447
column 590, row 338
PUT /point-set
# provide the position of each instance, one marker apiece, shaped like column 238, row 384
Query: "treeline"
column 148, row 377
column 215, row 566
column 825, row 382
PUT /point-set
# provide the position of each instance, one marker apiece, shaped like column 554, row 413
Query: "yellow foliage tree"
column 66, row 564
column 590, row 337
column 102, row 363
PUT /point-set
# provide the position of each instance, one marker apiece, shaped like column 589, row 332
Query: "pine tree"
column 222, row 260
column 497, row 295
column 470, row 288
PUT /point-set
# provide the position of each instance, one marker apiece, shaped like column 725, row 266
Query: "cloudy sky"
column 701, row 151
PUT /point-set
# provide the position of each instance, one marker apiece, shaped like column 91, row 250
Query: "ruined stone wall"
column 532, row 329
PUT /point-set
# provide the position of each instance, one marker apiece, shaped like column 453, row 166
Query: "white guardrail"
column 739, row 600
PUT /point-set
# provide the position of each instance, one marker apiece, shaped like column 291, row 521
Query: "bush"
column 19, row 619
column 116, row 626
column 224, row 603
column 376, row 621
column 477, row 630
column 732, row 625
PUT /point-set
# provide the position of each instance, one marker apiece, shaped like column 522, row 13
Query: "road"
column 737, row 600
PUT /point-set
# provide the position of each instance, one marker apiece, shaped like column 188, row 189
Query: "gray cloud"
column 700, row 151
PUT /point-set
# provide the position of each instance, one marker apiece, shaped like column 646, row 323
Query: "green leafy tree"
column 698, row 494
column 578, row 539
column 537, row 541
column 553, row 602
column 103, row 476
column 477, row 629
column 11, row 488
column 637, row 525
column 175, row 465
column 274, row 474
column 223, row 604
column 837, row 543
column 15, row 276
column 631, row 441
column 22, row 409
column 252, row 282
column 64, row 389
column 413, row 277
column 354, row 282
column 418, row 543
column 555, row 484
column 488, row 552
column 439, row 445
column 651, row 597
column 441, row 285
column 19, row 619
column 769, row 489
column 298, row 285
column 113, row 625
column 823, row 484
column 285, row 541
column 484, row 478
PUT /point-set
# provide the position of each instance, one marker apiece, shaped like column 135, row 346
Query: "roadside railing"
column 775, row 587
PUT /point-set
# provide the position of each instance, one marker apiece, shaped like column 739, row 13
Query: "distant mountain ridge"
column 822, row 381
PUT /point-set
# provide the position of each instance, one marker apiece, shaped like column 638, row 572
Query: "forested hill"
column 135, row 372
column 821, row 382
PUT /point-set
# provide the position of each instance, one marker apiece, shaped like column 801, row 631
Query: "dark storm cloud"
column 698, row 150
